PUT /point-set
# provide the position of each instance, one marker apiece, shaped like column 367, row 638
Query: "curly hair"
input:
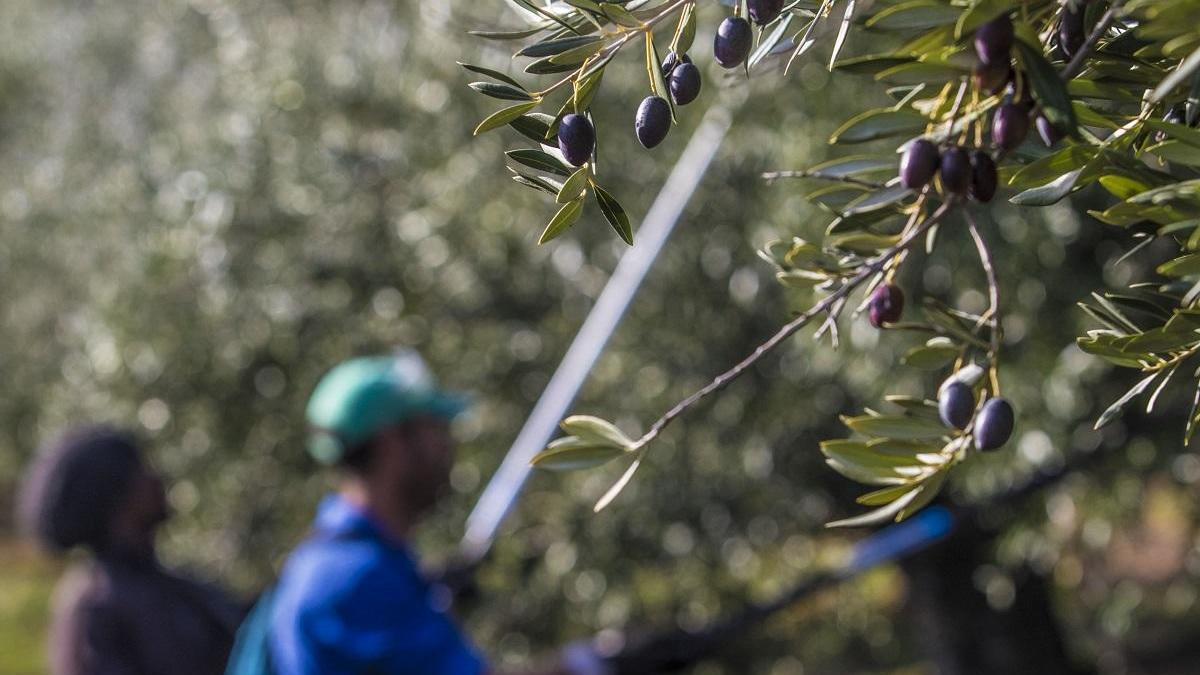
column 73, row 487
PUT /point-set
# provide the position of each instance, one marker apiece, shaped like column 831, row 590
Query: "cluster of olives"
column 731, row 48
column 653, row 119
column 956, row 408
column 993, row 72
column 993, row 45
column 960, row 172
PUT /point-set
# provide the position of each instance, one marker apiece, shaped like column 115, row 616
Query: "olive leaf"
column 504, row 116
column 572, row 453
column 562, row 220
column 614, row 214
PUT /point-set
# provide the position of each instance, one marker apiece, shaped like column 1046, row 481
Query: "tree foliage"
column 190, row 239
column 1111, row 88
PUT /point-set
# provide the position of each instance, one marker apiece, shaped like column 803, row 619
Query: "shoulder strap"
column 251, row 653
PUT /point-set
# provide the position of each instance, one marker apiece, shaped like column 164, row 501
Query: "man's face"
column 142, row 510
column 148, row 498
column 423, row 451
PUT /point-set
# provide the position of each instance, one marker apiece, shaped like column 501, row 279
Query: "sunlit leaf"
column 572, row 454
column 880, row 123
column 562, row 220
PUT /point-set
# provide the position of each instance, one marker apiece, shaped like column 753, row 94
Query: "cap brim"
column 445, row 405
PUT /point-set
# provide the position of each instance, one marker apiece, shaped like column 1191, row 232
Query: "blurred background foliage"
column 205, row 204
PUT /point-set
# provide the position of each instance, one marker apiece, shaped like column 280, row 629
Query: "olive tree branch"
column 605, row 53
column 1172, row 362
column 1076, row 65
column 772, row 176
column 796, row 324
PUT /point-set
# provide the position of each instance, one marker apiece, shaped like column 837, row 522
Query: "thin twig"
column 772, row 176
column 1076, row 65
column 830, row 323
column 993, row 313
column 609, row 50
column 796, row 324
column 958, row 99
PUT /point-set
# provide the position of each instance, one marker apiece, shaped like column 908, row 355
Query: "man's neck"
column 380, row 504
column 136, row 551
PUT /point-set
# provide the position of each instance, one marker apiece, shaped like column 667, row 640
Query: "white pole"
column 501, row 493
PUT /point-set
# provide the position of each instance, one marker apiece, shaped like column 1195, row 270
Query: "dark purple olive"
column 886, row 305
column 672, row 60
column 918, row 164
column 991, row 78
column 576, row 139
column 994, row 424
column 733, row 41
column 1049, row 133
column 956, row 405
column 1174, row 116
column 954, row 169
column 653, row 121
column 1010, row 125
column 994, row 40
column 983, row 176
column 763, row 12
column 684, row 83
column 1070, row 31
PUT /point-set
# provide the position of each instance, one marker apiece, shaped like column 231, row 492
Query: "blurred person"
column 120, row 612
column 351, row 599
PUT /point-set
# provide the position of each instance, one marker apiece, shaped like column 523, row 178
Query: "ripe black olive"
column 1070, row 31
column 983, row 176
column 672, row 60
column 994, row 425
column 684, row 83
column 733, row 41
column 653, row 121
column 955, row 170
column 1010, row 125
column 991, row 78
column 956, row 405
column 918, row 164
column 1049, row 133
column 763, row 12
column 576, row 139
column 994, row 40
column 886, row 305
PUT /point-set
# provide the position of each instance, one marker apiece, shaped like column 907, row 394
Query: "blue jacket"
column 351, row 601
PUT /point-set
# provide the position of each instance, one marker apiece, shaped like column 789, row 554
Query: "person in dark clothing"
column 121, row 612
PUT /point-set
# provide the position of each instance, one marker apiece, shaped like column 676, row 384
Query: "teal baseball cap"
column 363, row 396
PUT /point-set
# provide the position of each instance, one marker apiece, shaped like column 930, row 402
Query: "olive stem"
column 958, row 99
column 830, row 324
column 992, row 315
column 796, row 324
column 894, row 263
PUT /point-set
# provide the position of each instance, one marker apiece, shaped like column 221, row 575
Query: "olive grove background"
column 205, row 204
